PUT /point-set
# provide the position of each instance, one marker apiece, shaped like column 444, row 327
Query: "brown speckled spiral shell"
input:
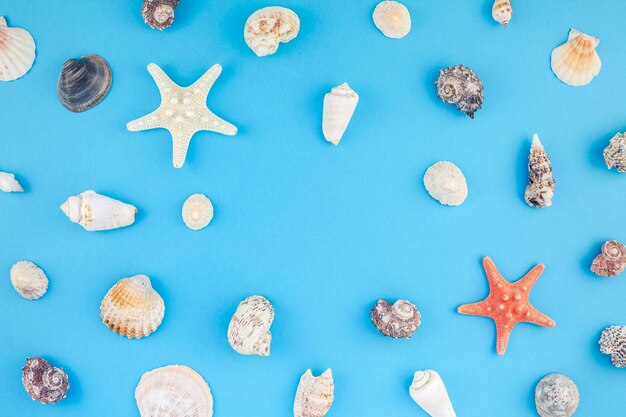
column 611, row 261
column 398, row 320
column 461, row 86
column 159, row 14
column 44, row 382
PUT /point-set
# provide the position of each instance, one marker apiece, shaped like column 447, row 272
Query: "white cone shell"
column 173, row 391
column 8, row 183
column 429, row 392
column 96, row 212
column 445, row 182
column 29, row 280
column 249, row 328
column 315, row 395
column 339, row 106
column 17, row 51
column 576, row 62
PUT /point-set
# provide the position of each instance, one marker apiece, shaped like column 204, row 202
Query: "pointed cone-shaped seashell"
column 173, row 391
column 615, row 152
column 158, row 14
column 556, row 396
column 445, row 182
column 132, row 308
column 502, row 11
column 339, row 106
column 29, row 280
column 9, row 184
column 84, row 82
column 540, row 189
column 268, row 27
column 392, row 19
column 249, row 328
column 429, row 392
column 576, row 62
column 197, row 211
column 315, row 395
column 96, row 212
column 17, row 51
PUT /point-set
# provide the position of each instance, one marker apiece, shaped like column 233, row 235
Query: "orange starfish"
column 507, row 303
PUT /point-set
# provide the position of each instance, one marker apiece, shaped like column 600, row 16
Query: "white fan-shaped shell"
column 8, row 183
column 197, row 211
column 445, row 182
column 270, row 26
column 576, row 62
column 429, row 392
column 17, row 51
column 29, row 280
column 502, row 11
column 249, row 328
column 95, row 211
column 339, row 106
column 315, row 395
column 173, row 391
column 392, row 19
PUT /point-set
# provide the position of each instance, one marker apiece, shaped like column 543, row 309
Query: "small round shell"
column 445, row 182
column 158, row 14
column 461, row 86
column 398, row 320
column 44, row 382
column 197, row 211
column 29, row 280
column 613, row 342
column 392, row 19
column 556, row 396
column 249, row 328
column 84, row 82
column 17, row 51
column 268, row 27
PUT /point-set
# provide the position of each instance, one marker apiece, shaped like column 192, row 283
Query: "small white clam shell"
column 315, row 395
column 445, row 182
column 197, row 211
column 29, row 280
column 339, row 106
column 392, row 19
column 268, row 27
column 9, row 184
column 249, row 328
column 17, row 51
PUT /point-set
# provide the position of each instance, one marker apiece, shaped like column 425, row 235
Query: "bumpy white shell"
column 249, row 328
column 339, row 106
column 576, row 62
column 17, row 51
column 173, row 391
column 8, row 183
column 268, row 27
column 392, row 19
column 429, row 392
column 98, row 212
column 29, row 280
column 315, row 395
column 556, row 396
column 197, row 211
column 502, row 11
column 132, row 308
column 445, row 182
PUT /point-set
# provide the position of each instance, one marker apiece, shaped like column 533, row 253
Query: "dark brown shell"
column 159, row 14
column 613, row 342
column 398, row 320
column 84, row 82
column 44, row 382
column 461, row 86
column 611, row 261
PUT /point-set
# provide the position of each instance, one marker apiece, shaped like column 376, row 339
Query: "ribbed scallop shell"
column 29, row 280
column 17, row 51
column 132, row 308
column 445, row 182
column 502, row 11
column 268, row 27
column 556, row 396
column 392, row 19
column 576, row 62
column 84, row 82
column 315, row 395
column 44, row 383
column 173, row 391
column 613, row 342
column 158, row 14
column 249, row 328
column 398, row 320
column 615, row 152
column 197, row 211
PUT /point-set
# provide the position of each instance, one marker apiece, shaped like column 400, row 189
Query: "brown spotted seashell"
column 159, row 14
column 44, row 382
column 613, row 342
column 398, row 320
column 611, row 261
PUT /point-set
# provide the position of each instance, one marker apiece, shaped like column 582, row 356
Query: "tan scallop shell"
column 173, row 391
column 445, row 182
column 29, row 280
column 268, row 27
column 132, row 308
column 197, row 211
column 392, row 19
column 315, row 395
column 17, row 51
column 576, row 62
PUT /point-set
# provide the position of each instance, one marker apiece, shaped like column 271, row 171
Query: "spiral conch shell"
column 158, row 14
column 615, row 153
column 502, row 11
column 576, row 62
column 611, row 261
column 249, row 328
column 445, row 182
column 540, row 189
column 613, row 342
column 9, row 184
column 29, row 280
column 398, row 320
column 132, row 308
column 44, row 382
column 556, row 396
column 17, row 51
column 429, row 392
column 173, row 391
column 315, row 395
column 461, row 86
column 392, row 19
column 339, row 106
column 268, row 27
column 96, row 212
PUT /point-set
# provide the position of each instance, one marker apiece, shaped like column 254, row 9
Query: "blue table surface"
column 322, row 231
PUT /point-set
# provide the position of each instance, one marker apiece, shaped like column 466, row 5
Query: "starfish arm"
column 528, row 280
column 493, row 275
column 180, row 144
column 503, row 333
column 537, row 317
column 147, row 122
column 213, row 123
column 474, row 309
column 163, row 82
column 203, row 85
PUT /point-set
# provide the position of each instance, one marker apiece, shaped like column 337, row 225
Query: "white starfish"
column 183, row 111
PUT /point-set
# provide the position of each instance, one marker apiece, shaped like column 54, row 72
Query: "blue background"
column 322, row 231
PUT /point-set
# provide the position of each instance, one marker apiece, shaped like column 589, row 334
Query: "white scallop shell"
column 29, row 280
column 173, row 391
column 197, row 211
column 95, row 212
column 17, row 51
column 268, row 27
column 8, row 183
column 576, row 62
column 429, row 392
column 392, row 19
column 315, row 395
column 502, row 11
column 249, row 328
column 339, row 106
column 445, row 182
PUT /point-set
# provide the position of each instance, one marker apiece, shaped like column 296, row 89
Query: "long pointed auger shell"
column 95, row 212
column 429, row 392
column 315, row 395
column 84, row 82
column 576, row 62
column 173, row 391
column 249, row 328
column 540, row 189
column 132, row 308
column 339, row 106
column 17, row 51
column 502, row 11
